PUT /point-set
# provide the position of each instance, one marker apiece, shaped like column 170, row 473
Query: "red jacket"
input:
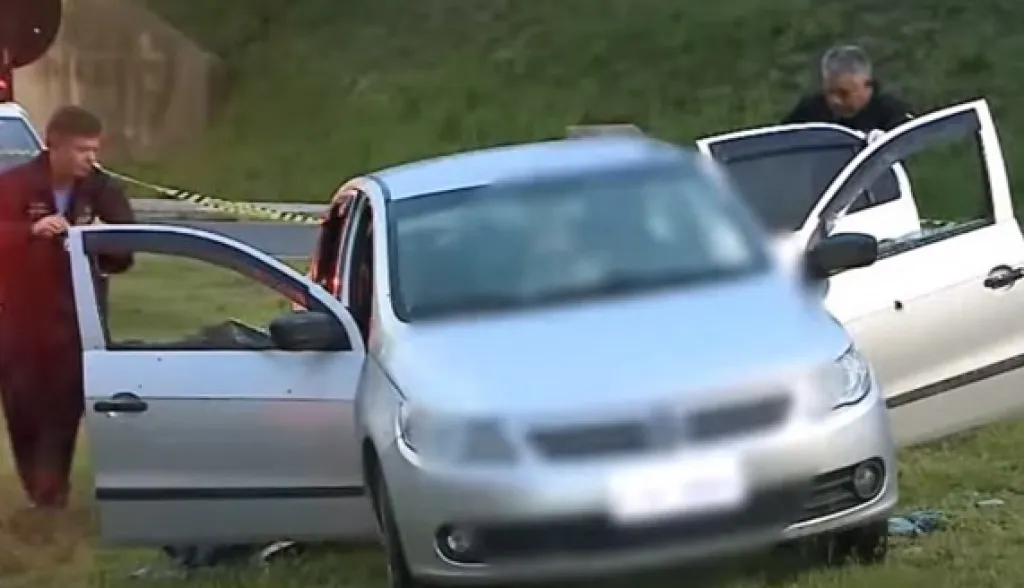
column 37, row 304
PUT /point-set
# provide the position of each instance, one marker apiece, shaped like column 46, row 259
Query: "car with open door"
column 545, row 353
column 940, row 314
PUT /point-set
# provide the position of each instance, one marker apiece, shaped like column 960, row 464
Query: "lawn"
column 979, row 549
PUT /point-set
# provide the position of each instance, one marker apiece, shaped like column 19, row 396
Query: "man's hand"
column 50, row 226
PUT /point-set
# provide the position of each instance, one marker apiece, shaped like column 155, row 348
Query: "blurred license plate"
column 685, row 485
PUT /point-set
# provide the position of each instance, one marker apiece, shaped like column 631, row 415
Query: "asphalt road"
column 277, row 239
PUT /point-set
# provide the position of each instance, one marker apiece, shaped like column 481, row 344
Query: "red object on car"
column 27, row 30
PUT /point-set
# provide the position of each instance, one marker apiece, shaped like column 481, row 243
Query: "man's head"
column 73, row 141
column 846, row 79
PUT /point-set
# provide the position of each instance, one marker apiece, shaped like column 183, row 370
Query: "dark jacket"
column 884, row 112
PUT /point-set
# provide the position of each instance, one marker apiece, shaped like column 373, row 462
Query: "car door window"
column 910, row 145
column 782, row 171
column 211, row 298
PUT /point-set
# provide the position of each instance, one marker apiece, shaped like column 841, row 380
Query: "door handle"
column 1003, row 276
column 122, row 402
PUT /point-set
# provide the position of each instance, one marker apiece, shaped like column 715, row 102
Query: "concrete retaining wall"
column 155, row 88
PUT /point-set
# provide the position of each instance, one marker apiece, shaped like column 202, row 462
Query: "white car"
column 941, row 314
column 19, row 141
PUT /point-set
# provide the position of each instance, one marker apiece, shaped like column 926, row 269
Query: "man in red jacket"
column 41, row 384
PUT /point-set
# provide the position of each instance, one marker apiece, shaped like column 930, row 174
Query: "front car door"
column 782, row 171
column 942, row 335
column 215, row 436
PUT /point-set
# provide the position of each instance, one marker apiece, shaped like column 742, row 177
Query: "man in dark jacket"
column 850, row 96
column 41, row 385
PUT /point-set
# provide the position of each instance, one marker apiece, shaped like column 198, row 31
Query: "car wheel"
column 398, row 572
column 865, row 545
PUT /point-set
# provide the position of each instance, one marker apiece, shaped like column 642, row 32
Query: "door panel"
column 924, row 313
column 235, row 442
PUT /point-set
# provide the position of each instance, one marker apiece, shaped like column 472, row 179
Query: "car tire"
column 866, row 545
column 398, row 574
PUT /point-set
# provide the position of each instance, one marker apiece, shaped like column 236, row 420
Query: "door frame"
column 180, row 241
column 904, row 141
column 824, row 136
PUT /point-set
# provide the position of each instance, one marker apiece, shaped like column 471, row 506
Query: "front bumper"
column 544, row 523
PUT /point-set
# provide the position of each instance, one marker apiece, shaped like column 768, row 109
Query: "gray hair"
column 845, row 60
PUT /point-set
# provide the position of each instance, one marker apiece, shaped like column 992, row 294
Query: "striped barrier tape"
column 237, row 209
column 250, row 210
column 240, row 209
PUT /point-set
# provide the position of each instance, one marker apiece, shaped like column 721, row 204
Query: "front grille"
column 608, row 439
column 634, row 437
column 774, row 508
column 739, row 419
column 831, row 493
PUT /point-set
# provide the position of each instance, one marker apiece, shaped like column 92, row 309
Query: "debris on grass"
column 917, row 523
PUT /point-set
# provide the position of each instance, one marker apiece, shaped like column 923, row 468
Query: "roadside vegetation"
column 322, row 90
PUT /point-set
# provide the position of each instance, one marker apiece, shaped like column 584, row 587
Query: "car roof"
column 524, row 161
column 12, row 110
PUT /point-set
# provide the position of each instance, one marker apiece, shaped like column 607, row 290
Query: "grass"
column 322, row 90
column 978, row 550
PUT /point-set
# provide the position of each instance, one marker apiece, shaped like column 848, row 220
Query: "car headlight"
column 451, row 439
column 848, row 380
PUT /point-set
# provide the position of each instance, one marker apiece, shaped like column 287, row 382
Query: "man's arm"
column 895, row 112
column 113, row 207
column 802, row 112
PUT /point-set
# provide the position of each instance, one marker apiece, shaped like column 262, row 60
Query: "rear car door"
column 782, row 171
column 941, row 313
column 218, row 436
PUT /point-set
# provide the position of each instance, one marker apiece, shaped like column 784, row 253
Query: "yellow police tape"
column 236, row 209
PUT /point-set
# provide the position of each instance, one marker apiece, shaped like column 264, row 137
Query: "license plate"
column 684, row 485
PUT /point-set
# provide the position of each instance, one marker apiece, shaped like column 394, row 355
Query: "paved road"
column 278, row 239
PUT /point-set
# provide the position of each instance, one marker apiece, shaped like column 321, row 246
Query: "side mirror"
column 309, row 331
column 841, row 252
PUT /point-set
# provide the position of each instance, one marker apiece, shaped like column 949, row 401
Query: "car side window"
column 886, row 189
column 218, row 301
column 325, row 268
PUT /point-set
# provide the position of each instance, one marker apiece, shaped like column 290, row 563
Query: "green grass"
column 322, row 90
column 979, row 549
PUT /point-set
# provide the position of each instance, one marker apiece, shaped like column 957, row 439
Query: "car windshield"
column 516, row 246
column 783, row 188
column 17, row 143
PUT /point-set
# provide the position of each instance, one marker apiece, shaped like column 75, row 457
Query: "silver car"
column 538, row 362
column 571, row 335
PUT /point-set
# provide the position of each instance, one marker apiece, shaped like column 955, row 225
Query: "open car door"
column 228, row 436
column 941, row 313
column 783, row 170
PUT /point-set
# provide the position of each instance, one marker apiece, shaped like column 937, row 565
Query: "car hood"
column 617, row 351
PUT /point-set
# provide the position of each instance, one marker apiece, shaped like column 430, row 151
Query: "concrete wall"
column 154, row 87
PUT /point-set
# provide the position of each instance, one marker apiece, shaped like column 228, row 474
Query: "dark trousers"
column 42, row 403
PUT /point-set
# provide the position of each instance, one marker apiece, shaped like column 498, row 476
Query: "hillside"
column 324, row 89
